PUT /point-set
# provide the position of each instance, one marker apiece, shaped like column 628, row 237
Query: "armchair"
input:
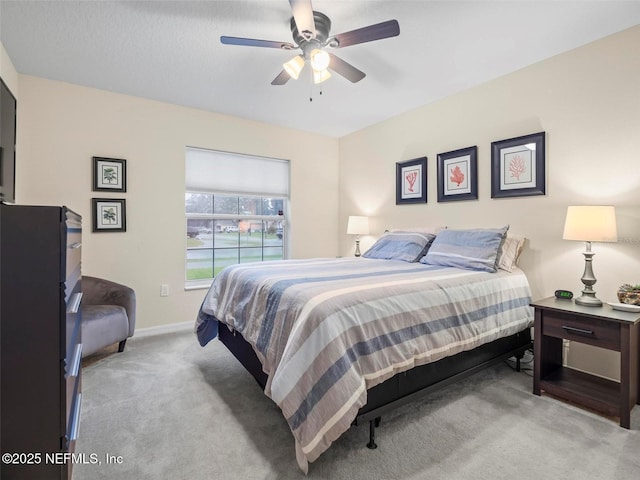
column 108, row 314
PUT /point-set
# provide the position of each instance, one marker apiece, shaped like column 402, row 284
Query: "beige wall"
column 587, row 101
column 62, row 126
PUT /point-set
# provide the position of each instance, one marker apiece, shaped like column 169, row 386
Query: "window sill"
column 197, row 286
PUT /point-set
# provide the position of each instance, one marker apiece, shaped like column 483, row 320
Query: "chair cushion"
column 102, row 325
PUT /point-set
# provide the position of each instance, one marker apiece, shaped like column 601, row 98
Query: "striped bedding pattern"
column 326, row 330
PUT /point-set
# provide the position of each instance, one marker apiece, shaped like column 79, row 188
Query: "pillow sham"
column 405, row 246
column 474, row 249
column 510, row 252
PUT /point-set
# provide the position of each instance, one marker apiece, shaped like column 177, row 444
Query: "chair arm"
column 98, row 291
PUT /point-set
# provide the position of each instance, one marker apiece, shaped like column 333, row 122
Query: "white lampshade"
column 294, row 66
column 591, row 224
column 320, row 76
column 358, row 225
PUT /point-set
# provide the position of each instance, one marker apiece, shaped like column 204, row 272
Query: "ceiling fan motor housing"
column 307, row 43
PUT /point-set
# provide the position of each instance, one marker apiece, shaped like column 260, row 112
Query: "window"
column 235, row 209
column 223, row 230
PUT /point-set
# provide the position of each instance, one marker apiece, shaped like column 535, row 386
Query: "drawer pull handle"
column 579, row 331
column 76, row 361
column 75, row 426
column 74, row 303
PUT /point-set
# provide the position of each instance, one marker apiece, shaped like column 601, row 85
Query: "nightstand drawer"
column 599, row 333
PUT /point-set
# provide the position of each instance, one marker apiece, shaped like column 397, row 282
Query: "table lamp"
column 358, row 226
column 590, row 224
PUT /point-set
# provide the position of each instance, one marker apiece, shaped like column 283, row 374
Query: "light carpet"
column 167, row 408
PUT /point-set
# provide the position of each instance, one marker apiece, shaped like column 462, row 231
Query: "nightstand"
column 602, row 327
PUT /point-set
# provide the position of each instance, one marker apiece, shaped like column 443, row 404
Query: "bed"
column 340, row 341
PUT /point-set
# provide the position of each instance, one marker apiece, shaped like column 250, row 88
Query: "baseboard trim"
column 163, row 329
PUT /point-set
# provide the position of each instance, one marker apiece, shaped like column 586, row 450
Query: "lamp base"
column 588, row 299
column 357, row 254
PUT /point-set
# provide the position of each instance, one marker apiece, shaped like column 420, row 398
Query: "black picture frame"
column 458, row 175
column 109, row 174
column 109, row 214
column 518, row 166
column 411, row 181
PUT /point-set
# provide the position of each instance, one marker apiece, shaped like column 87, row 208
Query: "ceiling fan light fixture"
column 320, row 76
column 319, row 60
column 310, row 31
column 294, row 66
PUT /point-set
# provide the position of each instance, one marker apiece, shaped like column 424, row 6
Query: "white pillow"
column 510, row 252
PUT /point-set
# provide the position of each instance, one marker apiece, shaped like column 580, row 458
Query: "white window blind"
column 214, row 171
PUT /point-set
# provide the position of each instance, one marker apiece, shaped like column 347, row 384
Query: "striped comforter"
column 326, row 330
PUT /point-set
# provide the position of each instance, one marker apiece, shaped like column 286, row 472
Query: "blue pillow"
column 405, row 246
column 475, row 249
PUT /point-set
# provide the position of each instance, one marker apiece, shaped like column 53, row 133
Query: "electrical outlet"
column 164, row 290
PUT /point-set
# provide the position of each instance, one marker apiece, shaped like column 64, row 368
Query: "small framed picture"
column 458, row 175
column 411, row 181
column 109, row 174
column 109, row 214
column 518, row 166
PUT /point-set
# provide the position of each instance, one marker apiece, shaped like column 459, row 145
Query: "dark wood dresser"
column 40, row 340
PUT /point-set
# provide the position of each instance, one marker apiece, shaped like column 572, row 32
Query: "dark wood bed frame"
column 404, row 387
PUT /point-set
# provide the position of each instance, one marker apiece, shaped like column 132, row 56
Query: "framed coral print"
column 458, row 175
column 109, row 215
column 411, row 181
column 109, row 174
column 518, row 166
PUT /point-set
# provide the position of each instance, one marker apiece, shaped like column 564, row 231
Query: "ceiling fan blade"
column 387, row 29
column 282, row 78
column 303, row 15
column 345, row 69
column 252, row 42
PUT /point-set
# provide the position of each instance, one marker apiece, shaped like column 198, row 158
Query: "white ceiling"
column 170, row 51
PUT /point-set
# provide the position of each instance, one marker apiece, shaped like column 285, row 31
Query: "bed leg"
column 372, row 433
column 519, row 356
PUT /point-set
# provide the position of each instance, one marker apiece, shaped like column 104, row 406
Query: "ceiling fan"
column 310, row 31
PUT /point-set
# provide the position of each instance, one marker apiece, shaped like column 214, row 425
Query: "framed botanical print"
column 411, row 181
column 458, row 175
column 109, row 215
column 518, row 166
column 109, row 174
